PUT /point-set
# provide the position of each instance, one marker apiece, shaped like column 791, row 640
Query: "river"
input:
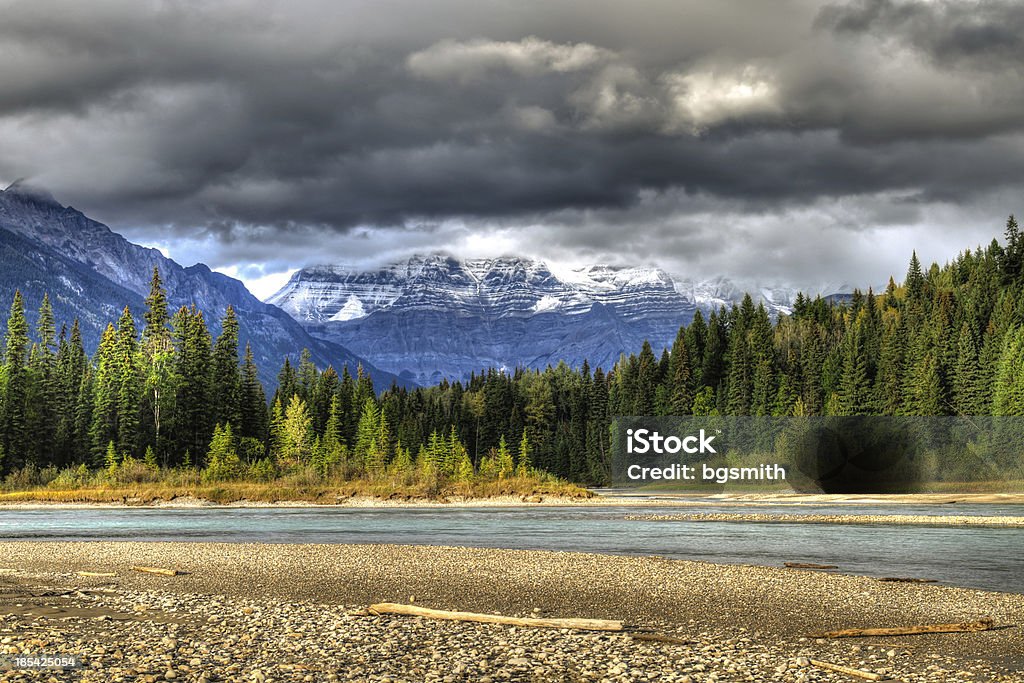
column 974, row 557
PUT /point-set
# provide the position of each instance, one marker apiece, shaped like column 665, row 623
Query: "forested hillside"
column 163, row 392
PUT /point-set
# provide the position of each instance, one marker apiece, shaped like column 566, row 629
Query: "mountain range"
column 436, row 316
column 416, row 321
column 91, row 273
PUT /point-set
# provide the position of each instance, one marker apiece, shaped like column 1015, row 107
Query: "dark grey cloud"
column 985, row 35
column 260, row 136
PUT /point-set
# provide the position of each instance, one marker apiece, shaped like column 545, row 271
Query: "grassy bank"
column 141, row 485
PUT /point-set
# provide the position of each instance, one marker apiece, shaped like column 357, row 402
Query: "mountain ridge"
column 94, row 272
column 436, row 316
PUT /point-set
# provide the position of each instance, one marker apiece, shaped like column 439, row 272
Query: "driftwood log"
column 157, row 570
column 961, row 627
column 97, row 573
column 901, row 579
column 848, row 670
column 809, row 565
column 416, row 611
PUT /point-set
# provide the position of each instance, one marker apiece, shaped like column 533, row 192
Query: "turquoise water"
column 991, row 559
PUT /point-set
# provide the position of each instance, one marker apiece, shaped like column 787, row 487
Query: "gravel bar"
column 991, row 521
column 278, row 612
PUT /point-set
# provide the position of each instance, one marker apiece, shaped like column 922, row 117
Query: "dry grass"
column 286, row 490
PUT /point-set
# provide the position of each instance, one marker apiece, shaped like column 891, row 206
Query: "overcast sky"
column 783, row 141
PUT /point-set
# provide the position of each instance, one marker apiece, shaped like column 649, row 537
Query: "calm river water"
column 990, row 559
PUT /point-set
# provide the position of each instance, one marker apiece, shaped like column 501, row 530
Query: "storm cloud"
column 783, row 141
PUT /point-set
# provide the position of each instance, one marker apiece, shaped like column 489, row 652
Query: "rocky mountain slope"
column 436, row 316
column 92, row 272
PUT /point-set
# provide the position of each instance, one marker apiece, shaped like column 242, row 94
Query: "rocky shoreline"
column 990, row 521
column 281, row 612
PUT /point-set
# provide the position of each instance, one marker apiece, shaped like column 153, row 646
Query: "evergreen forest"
column 161, row 393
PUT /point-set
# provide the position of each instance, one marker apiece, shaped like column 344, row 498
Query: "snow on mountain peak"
column 503, row 286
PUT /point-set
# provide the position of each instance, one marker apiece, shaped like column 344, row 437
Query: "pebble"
column 253, row 635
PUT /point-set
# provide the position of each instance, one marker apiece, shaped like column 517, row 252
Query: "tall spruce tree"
column 225, row 383
column 253, row 421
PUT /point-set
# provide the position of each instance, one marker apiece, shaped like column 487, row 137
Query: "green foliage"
column 525, row 459
column 263, row 470
column 704, row 403
column 503, row 464
column 111, row 459
column 947, row 341
column 150, row 458
column 222, row 461
column 293, row 438
column 1008, row 397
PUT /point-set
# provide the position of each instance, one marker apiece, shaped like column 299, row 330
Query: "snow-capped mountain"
column 91, row 273
column 436, row 316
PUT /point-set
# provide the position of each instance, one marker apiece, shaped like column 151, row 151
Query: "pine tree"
column 1012, row 260
column 696, row 341
column 812, row 360
column 713, row 366
column 855, row 396
column 367, row 432
column 71, row 368
column 888, row 380
column 111, row 459
column 926, row 395
column 504, row 465
column 915, row 280
column 150, row 459
column 740, row 384
column 380, row 447
column 332, row 445
column 287, row 381
column 226, row 389
column 253, row 400
column 540, row 418
column 192, row 403
column 156, row 316
column 597, row 429
column 646, row 381
column 222, row 457
column 43, row 392
column 525, row 457
column 129, row 384
column 967, row 399
column 307, row 376
column 296, row 435
column 278, row 436
column 762, row 357
column 682, row 383
column 1008, row 394
column 103, row 427
column 16, row 386
column 158, row 365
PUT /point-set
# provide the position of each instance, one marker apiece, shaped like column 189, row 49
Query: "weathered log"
column 157, row 570
column 809, row 565
column 416, row 611
column 961, row 627
column 97, row 573
column 848, row 670
column 901, row 579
